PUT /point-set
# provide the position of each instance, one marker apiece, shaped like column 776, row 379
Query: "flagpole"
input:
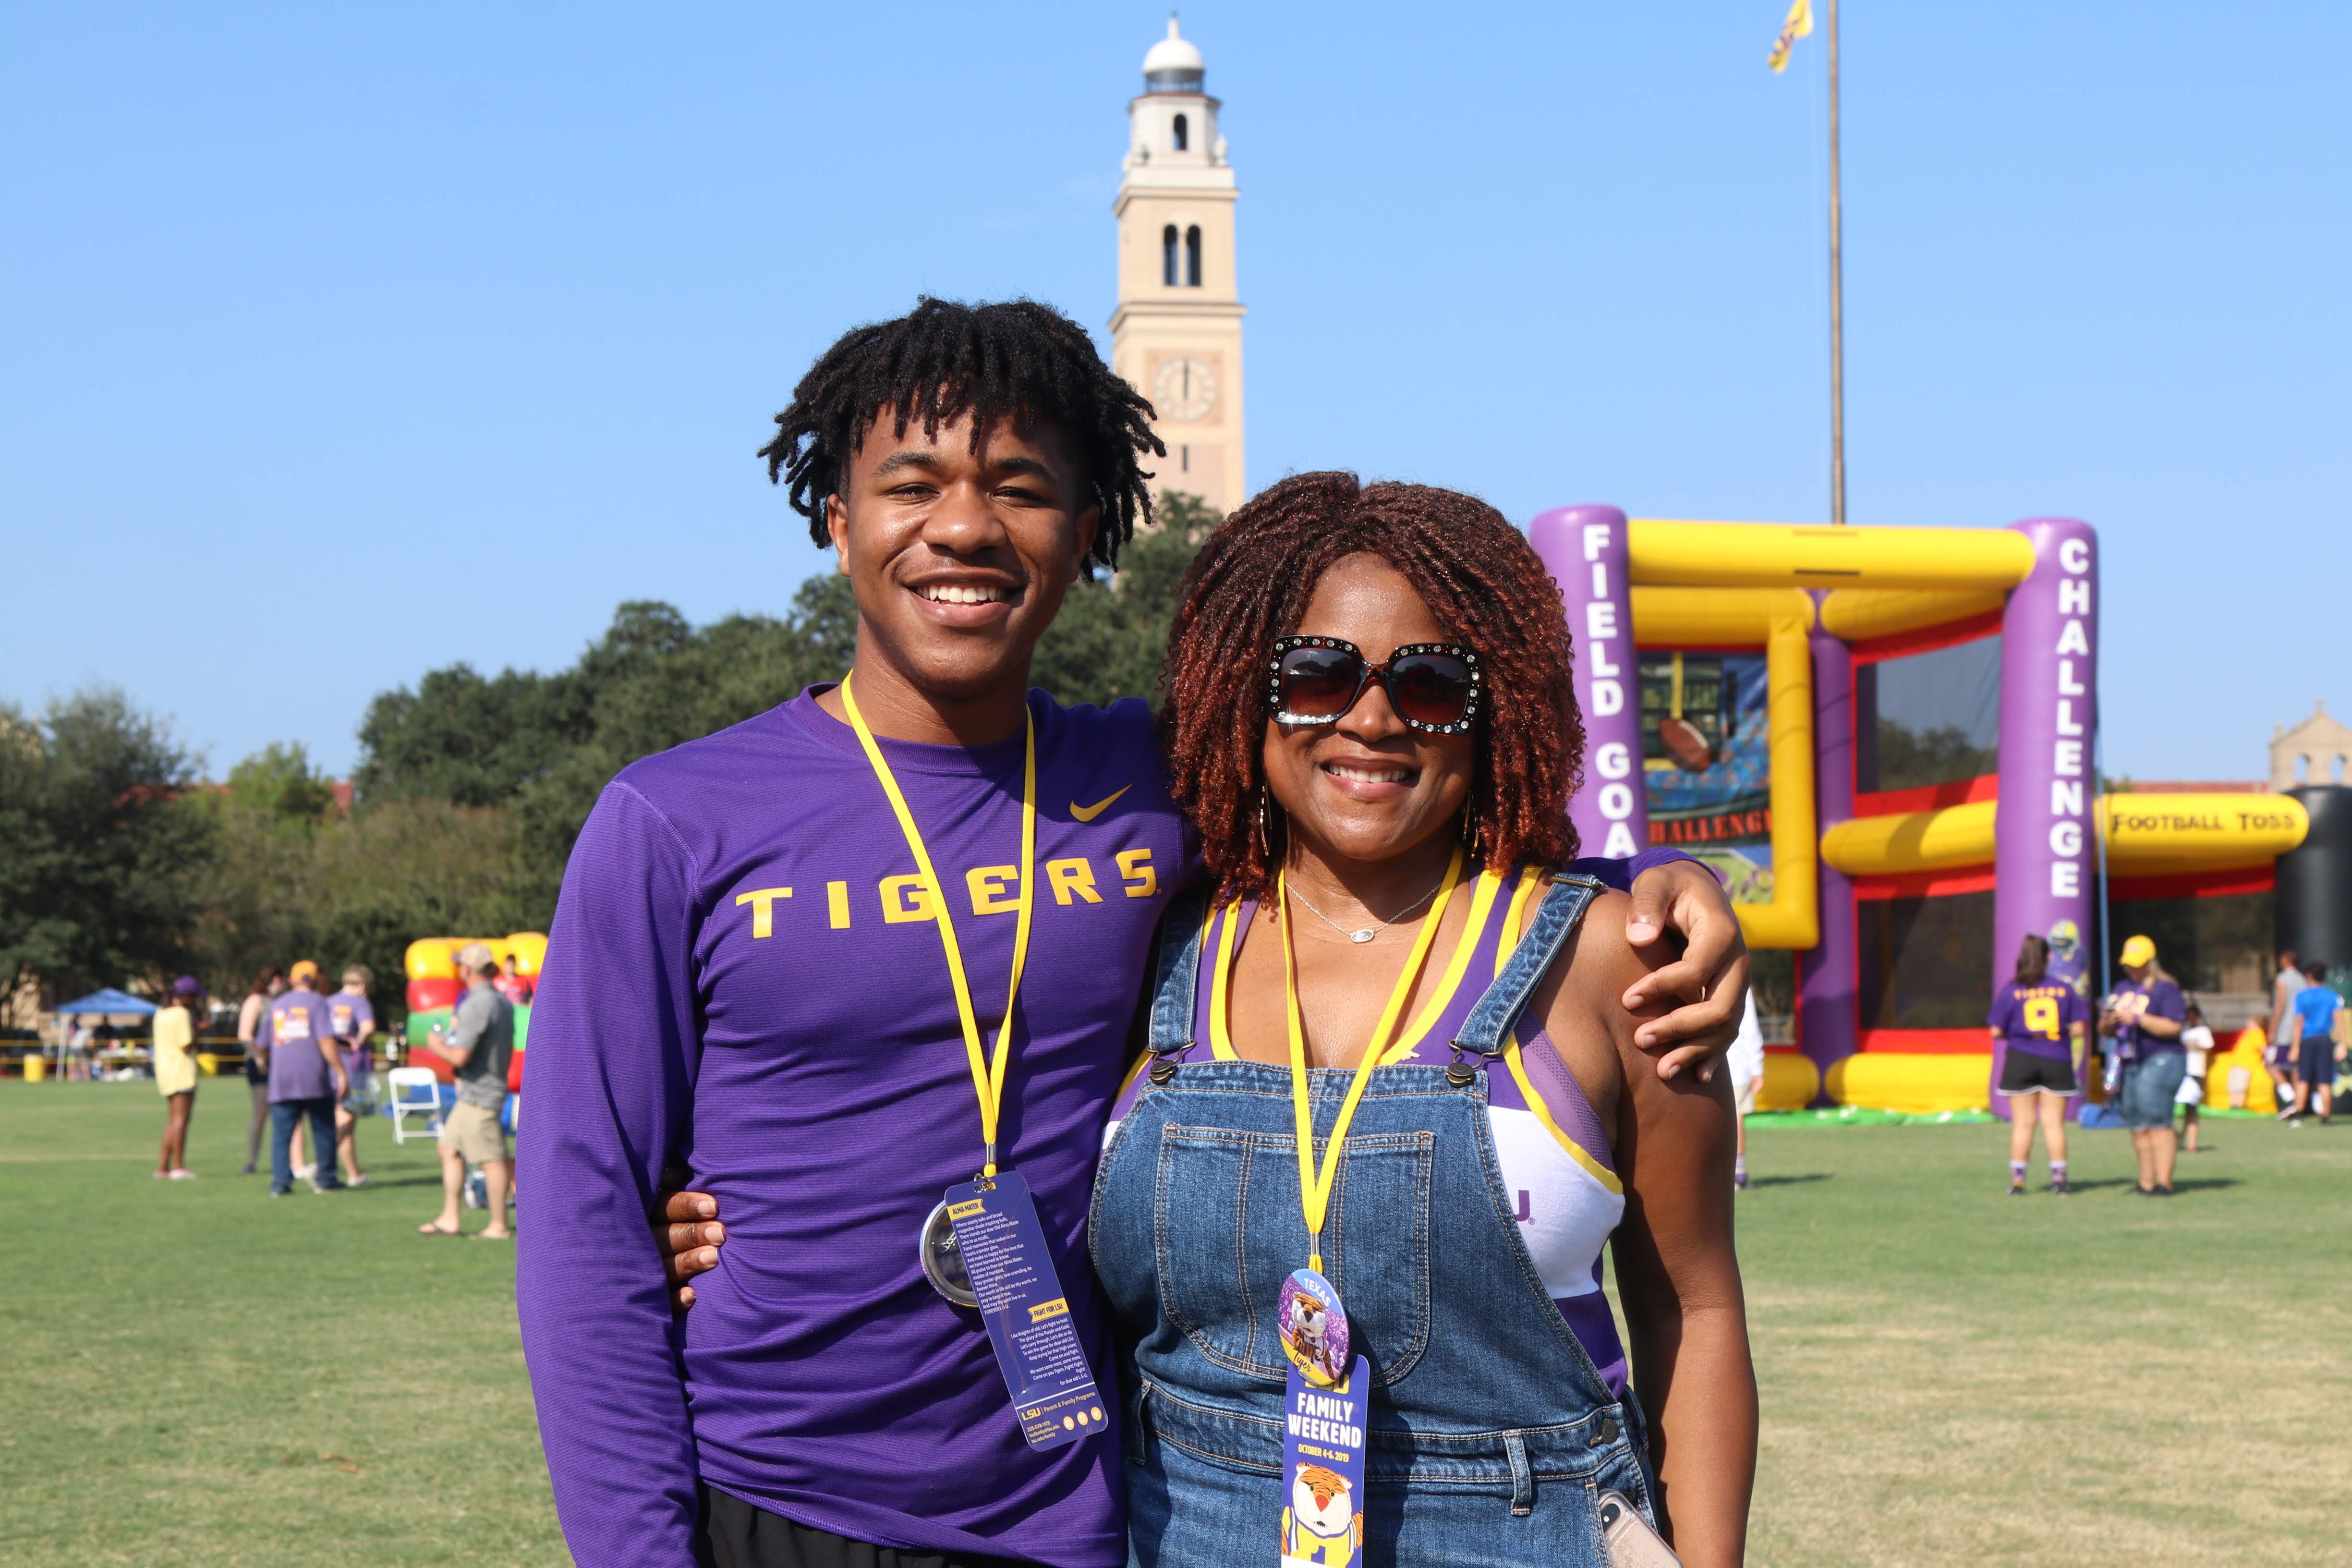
column 1837, row 296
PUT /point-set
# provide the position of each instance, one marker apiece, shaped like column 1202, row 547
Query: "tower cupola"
column 1173, row 65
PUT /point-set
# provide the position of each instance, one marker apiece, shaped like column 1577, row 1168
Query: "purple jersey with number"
column 743, row 977
column 2039, row 1019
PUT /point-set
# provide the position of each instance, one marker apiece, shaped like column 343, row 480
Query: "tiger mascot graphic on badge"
column 1309, row 1340
column 1321, row 1524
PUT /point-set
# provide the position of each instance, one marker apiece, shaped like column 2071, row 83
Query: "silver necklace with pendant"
column 1367, row 932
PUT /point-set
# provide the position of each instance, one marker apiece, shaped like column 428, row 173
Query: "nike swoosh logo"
column 1088, row 813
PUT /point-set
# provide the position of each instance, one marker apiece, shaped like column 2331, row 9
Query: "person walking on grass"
column 267, row 986
column 306, row 1079
column 354, row 1019
column 2285, row 986
column 2145, row 1016
column 479, row 1045
column 2040, row 1023
column 2197, row 1043
column 2315, row 1045
column 306, row 1167
column 175, row 1075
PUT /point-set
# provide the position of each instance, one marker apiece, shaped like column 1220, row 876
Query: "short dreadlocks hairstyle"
column 1484, row 583
column 1016, row 360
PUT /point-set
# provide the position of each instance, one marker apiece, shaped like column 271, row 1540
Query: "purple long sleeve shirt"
column 741, row 978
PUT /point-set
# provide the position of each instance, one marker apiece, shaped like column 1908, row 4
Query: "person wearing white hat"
column 478, row 1045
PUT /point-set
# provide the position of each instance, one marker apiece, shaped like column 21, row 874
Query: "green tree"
column 296, row 878
column 279, row 782
column 100, row 852
column 1112, row 634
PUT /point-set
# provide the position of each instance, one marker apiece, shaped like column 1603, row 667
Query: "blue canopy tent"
column 109, row 1002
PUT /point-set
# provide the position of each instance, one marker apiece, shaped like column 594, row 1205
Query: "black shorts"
column 2317, row 1062
column 736, row 1534
column 2029, row 1072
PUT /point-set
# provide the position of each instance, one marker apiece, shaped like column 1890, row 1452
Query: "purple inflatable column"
column 1585, row 549
column 1827, row 992
column 2045, row 862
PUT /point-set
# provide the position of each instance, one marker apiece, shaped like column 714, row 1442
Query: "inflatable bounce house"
column 434, row 988
column 1886, row 741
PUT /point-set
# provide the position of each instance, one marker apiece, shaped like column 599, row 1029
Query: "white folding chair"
column 413, row 1091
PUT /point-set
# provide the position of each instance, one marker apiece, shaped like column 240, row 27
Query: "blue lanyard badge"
column 1024, row 1310
column 1323, row 1469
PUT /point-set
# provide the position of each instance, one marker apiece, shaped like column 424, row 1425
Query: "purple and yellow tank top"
column 1553, row 1152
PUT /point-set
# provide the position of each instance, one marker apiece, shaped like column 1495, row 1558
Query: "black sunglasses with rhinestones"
column 1432, row 686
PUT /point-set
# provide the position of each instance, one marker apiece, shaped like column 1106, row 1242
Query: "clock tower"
column 1177, row 334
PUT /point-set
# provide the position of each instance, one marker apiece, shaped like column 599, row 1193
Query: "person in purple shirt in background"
column 354, row 1017
column 750, row 977
column 2145, row 1016
column 2040, row 1023
column 306, row 1079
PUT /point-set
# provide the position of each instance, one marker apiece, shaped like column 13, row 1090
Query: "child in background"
column 2198, row 1041
column 1744, row 1062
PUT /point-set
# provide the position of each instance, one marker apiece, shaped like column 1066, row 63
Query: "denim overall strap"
column 1498, row 1013
column 1177, row 973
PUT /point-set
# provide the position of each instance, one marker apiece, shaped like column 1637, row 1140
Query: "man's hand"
column 688, row 1233
column 1710, row 978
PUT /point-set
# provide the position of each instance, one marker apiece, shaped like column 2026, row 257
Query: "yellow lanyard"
column 987, row 1075
column 1314, row 1187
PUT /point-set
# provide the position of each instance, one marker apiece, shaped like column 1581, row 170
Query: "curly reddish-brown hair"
column 1481, row 580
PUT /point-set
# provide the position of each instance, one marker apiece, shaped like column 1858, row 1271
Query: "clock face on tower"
column 1184, row 388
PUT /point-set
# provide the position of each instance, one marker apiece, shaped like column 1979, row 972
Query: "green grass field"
column 198, row 1375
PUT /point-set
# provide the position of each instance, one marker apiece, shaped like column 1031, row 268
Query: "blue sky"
column 341, row 343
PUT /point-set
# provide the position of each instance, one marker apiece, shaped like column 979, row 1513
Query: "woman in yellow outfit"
column 175, row 1075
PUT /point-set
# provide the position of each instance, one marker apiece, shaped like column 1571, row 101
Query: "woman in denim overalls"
column 1511, row 1127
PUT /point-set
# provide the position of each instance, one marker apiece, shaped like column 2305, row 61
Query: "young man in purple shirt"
column 746, row 978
